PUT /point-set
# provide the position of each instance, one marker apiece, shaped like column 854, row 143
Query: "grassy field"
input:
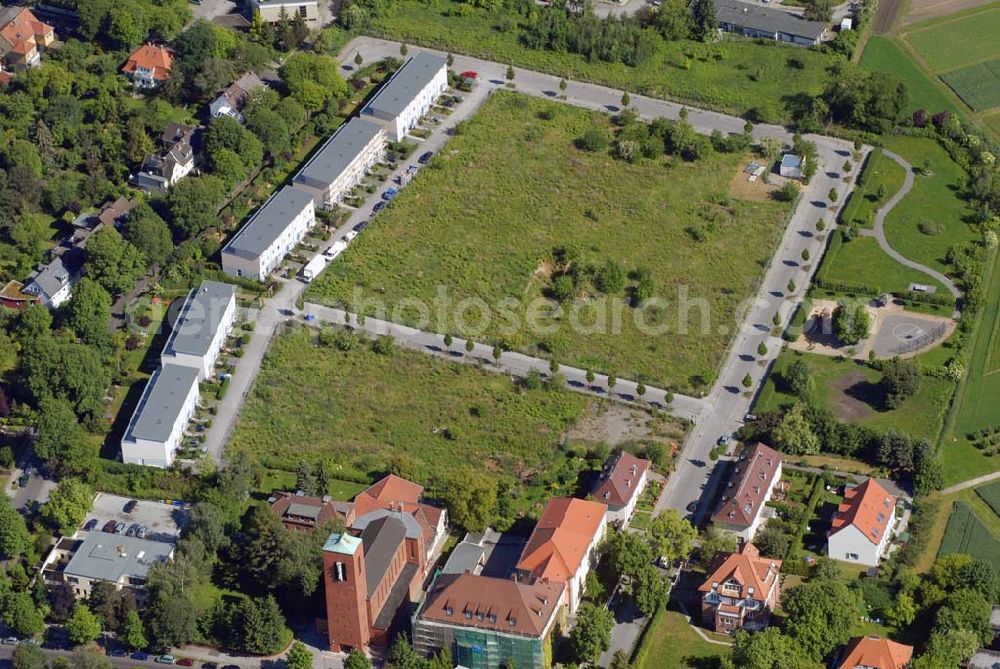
column 880, row 172
column 991, row 495
column 850, row 390
column 421, row 417
column 670, row 642
column 486, row 222
column 978, row 85
column 993, row 123
column 882, row 54
column 862, row 261
column 975, row 403
column 934, row 201
column 966, row 533
column 734, row 76
column 946, row 45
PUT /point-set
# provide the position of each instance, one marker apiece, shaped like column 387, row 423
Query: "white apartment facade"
column 862, row 529
column 205, row 320
column 157, row 427
column 270, row 10
column 409, row 94
column 342, row 161
column 270, row 234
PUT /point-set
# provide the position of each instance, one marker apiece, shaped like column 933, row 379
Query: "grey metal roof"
column 337, row 153
column 413, row 529
column 200, row 318
column 767, row 19
column 161, row 402
column 268, row 222
column 406, row 83
column 63, row 269
column 397, row 595
column 381, row 538
column 303, row 511
column 109, row 557
column 791, row 160
column 466, row 557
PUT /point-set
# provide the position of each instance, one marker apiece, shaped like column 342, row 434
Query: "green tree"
column 194, row 202
column 304, row 480
column 797, row 377
column 965, row 609
column 88, row 311
column 149, row 233
column 85, row 658
column 470, row 346
column 313, row 79
column 58, row 435
column 20, row 615
column 794, row 434
column 83, row 626
column 262, row 625
column 591, row 635
column 948, row 649
column 821, row 615
column 747, row 380
column 761, row 349
column 650, row 590
column 673, row 20
column 620, row 660
column 903, row 611
column 640, row 389
column 704, row 19
column 68, row 505
column 357, row 659
column 471, row 499
column 900, row 381
column 670, row 535
column 626, row 100
column 768, row 649
column 134, row 632
column 851, row 325
column 497, row 352
column 271, row 129
column 593, row 139
column 113, row 262
column 510, row 73
column 628, row 554
column 14, row 537
column 28, row 656
column 590, row 376
column 299, row 656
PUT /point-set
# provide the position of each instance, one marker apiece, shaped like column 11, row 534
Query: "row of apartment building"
column 339, row 164
column 169, row 400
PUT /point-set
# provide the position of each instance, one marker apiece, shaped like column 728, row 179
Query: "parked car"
column 140, row 655
column 749, row 417
column 25, row 477
column 185, row 662
column 132, row 530
column 425, row 157
column 166, row 658
column 723, row 440
column 119, row 528
column 390, row 193
column 109, row 527
column 91, row 525
column 209, row 665
column 141, row 532
column 130, row 506
column 10, row 641
column 379, row 206
column 117, row 652
column 350, row 235
column 360, row 226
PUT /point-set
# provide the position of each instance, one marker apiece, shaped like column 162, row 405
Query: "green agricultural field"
column 949, row 44
column 933, row 205
column 991, row 495
column 978, row 85
column 413, row 414
column 738, row 76
column 881, row 172
column 882, row 54
column 966, row 533
column 993, row 123
column 862, row 261
column 850, row 390
column 493, row 219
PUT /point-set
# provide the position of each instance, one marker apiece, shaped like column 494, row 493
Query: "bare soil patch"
column 616, row 424
column 758, row 191
column 921, row 10
column 855, row 397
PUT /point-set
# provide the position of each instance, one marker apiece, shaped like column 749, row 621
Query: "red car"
column 185, row 662
column 469, row 74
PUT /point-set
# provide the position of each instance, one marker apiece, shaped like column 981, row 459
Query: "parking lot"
column 163, row 521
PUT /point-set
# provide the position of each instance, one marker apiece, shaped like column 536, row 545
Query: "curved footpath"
column 879, row 231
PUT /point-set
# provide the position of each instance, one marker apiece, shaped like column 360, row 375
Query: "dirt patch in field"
column 742, row 188
column 886, row 15
column 921, row 10
column 616, row 424
column 855, row 397
column 543, row 272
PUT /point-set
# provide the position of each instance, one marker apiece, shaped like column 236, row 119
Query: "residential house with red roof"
column 489, row 622
column 374, row 569
column 22, row 38
column 562, row 548
column 873, row 652
column 750, row 487
column 622, row 481
column 149, row 66
column 741, row 591
column 862, row 529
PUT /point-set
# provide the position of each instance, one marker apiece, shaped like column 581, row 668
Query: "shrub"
column 593, row 140
column 930, row 228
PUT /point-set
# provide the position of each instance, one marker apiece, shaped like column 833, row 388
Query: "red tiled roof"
column 558, row 544
column 869, row 507
column 398, row 494
column 753, row 477
column 151, row 57
column 618, row 485
column 500, row 604
column 20, row 29
column 876, row 653
column 747, row 568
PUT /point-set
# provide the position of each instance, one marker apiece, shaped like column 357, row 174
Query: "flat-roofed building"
column 270, row 11
column 409, row 93
column 270, row 234
column 205, row 320
column 157, row 426
column 342, row 161
column 763, row 22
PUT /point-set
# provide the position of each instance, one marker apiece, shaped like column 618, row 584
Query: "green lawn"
column 862, row 261
column 990, row 494
column 485, row 222
column 882, row 54
column 410, row 413
column 880, row 172
column 934, row 201
column 976, row 405
column 946, row 45
column 670, row 642
column 966, row 533
column 921, row 416
column 993, row 123
column 737, row 76
column 978, row 85
column 278, row 479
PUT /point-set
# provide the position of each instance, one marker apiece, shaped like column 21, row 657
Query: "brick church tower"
column 346, row 593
